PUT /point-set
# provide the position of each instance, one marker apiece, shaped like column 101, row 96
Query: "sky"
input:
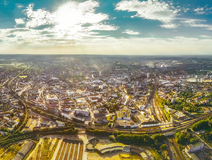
column 114, row 27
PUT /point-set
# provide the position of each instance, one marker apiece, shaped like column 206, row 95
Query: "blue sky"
column 140, row 27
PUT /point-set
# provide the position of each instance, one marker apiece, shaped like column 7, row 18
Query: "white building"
column 60, row 124
column 193, row 148
column 66, row 115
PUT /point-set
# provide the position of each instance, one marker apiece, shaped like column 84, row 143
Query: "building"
column 70, row 93
column 60, row 124
column 180, row 115
column 93, row 140
column 123, row 114
column 193, row 148
column 51, row 97
column 78, row 112
column 30, row 125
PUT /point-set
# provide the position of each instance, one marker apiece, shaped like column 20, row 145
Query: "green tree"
column 163, row 147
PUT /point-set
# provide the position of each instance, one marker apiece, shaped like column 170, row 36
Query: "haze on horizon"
column 125, row 27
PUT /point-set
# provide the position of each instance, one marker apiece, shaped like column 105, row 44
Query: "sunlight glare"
column 67, row 16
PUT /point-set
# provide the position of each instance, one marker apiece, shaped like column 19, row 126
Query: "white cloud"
column 203, row 10
column 185, row 9
column 131, row 32
column 71, row 22
column 20, row 37
column 72, row 19
column 170, row 26
column 110, row 45
column 6, row 2
column 19, row 21
column 199, row 10
column 39, row 17
column 151, row 9
column 73, row 13
column 205, row 36
column 208, row 9
column 102, row 27
column 197, row 23
column 19, row 5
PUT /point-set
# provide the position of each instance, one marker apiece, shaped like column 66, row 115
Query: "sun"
column 68, row 16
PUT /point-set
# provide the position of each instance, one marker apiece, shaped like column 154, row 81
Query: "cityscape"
column 105, row 80
column 91, row 107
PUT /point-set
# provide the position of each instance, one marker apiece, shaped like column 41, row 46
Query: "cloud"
column 151, row 9
column 185, row 9
column 67, row 16
column 6, row 2
column 205, row 36
column 199, row 10
column 196, row 23
column 203, row 10
column 208, row 9
column 71, row 23
column 72, row 20
column 102, row 27
column 170, row 26
column 75, row 25
column 110, row 45
column 19, row 6
column 38, row 17
column 19, row 21
column 131, row 32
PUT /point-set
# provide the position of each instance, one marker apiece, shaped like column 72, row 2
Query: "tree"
column 163, row 147
column 183, row 138
column 188, row 129
column 143, row 139
column 4, row 129
column 112, row 138
column 210, row 123
column 158, row 137
column 201, row 125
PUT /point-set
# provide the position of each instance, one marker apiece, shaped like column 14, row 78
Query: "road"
column 170, row 152
column 178, row 154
